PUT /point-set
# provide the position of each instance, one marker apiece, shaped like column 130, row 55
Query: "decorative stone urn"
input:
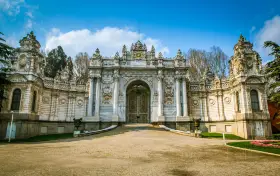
column 77, row 124
column 197, row 125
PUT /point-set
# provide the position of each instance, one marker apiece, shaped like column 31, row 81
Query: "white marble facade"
column 223, row 105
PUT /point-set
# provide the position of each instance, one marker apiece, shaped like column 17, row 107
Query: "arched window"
column 237, row 101
column 34, row 101
column 254, row 100
column 16, row 100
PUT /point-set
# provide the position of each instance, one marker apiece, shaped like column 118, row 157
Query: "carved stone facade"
column 223, row 105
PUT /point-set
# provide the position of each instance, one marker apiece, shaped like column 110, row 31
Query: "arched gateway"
column 137, row 86
column 138, row 102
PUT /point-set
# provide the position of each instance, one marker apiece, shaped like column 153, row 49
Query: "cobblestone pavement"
column 133, row 150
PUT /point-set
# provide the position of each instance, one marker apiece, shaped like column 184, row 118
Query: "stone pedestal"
column 161, row 118
column 76, row 133
column 182, row 118
column 115, row 118
column 197, row 133
column 91, row 119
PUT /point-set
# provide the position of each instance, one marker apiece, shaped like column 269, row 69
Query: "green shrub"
column 276, row 136
column 250, row 146
column 220, row 135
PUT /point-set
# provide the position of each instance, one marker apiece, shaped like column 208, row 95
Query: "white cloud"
column 269, row 32
column 29, row 14
column 253, row 29
column 109, row 40
column 29, row 24
column 11, row 7
column 12, row 41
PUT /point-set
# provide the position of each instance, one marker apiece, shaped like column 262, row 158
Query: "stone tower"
column 249, row 89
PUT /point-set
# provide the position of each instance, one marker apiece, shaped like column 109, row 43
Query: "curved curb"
column 185, row 133
column 256, row 151
column 98, row 131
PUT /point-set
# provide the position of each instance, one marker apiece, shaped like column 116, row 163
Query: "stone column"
column 221, row 106
column 116, row 96
column 243, row 100
column 97, row 98
column 160, row 96
column 26, row 100
column 206, row 116
column 90, row 97
column 178, row 103
column 201, row 108
column 185, row 98
column 68, row 114
column 73, row 107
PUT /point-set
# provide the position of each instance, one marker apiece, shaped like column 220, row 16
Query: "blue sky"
column 170, row 25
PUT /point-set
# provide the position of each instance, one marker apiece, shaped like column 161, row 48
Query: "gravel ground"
column 133, row 150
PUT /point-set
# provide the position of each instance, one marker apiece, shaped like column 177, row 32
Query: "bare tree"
column 81, row 67
column 218, row 61
column 198, row 62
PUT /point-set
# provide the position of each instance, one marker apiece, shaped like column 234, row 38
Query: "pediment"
column 39, row 82
column 253, row 80
column 17, row 78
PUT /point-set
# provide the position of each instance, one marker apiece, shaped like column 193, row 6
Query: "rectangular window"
column 212, row 128
column 60, row 129
column 44, row 130
column 228, row 128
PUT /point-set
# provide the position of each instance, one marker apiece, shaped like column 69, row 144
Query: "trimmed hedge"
column 40, row 138
column 250, row 146
column 220, row 135
column 276, row 136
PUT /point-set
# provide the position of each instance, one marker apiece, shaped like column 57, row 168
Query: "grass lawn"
column 248, row 145
column 43, row 138
column 220, row 135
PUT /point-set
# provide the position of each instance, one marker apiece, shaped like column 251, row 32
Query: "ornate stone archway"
column 138, row 102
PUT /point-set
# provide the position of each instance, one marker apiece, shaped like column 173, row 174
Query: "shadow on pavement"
column 119, row 130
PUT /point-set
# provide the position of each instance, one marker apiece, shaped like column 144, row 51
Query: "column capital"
column 160, row 77
column 116, row 77
column 178, row 77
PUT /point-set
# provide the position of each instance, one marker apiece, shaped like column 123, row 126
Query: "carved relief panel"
column 169, row 90
column 107, row 94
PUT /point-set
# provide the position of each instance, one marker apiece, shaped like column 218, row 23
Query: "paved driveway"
column 133, row 150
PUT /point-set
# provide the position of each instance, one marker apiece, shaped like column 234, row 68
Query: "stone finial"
column 179, row 52
column 30, row 41
column 153, row 49
column 117, row 56
column 97, row 51
column 124, row 49
column 241, row 38
column 160, row 56
column 97, row 55
column 179, row 55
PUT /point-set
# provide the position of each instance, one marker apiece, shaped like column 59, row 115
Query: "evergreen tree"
column 273, row 71
column 55, row 61
column 5, row 66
